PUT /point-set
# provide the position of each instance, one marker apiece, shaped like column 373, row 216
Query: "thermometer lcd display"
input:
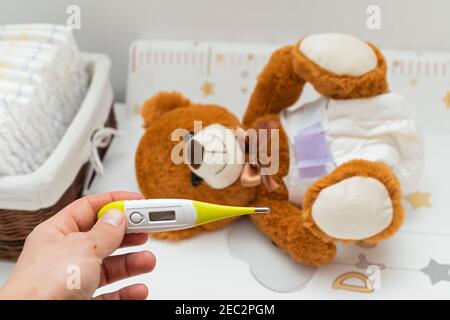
column 161, row 215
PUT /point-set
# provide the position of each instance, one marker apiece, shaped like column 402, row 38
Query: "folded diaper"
column 13, row 145
column 42, row 85
column 327, row 132
column 24, row 96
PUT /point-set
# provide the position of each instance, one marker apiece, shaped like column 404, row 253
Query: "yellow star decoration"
column 413, row 82
column 208, row 88
column 419, row 199
column 446, row 100
column 24, row 36
column 219, row 57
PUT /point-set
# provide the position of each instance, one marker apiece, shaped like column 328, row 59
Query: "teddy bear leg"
column 284, row 226
column 358, row 201
column 277, row 87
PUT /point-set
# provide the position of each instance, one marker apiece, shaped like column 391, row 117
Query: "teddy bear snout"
column 214, row 154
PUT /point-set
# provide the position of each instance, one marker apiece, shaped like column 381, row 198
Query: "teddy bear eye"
column 196, row 180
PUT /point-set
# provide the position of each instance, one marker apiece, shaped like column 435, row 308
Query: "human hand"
column 73, row 241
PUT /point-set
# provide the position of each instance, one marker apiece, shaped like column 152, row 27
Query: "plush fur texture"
column 359, row 168
column 154, row 108
column 284, row 226
column 341, row 86
column 281, row 82
column 159, row 177
column 279, row 86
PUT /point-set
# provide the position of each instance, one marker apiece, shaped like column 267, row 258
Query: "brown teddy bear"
column 342, row 160
column 159, row 177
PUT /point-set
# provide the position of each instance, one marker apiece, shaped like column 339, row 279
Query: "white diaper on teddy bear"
column 326, row 133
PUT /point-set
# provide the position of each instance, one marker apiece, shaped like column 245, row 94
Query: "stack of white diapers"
column 42, row 85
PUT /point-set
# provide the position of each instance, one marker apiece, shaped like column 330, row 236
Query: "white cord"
column 100, row 139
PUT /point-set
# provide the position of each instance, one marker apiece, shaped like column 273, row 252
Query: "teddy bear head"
column 190, row 151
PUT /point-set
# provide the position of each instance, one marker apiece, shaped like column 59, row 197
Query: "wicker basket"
column 15, row 225
column 27, row 200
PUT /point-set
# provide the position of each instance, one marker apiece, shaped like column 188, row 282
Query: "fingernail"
column 113, row 217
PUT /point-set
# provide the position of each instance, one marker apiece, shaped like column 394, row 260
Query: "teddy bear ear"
column 161, row 103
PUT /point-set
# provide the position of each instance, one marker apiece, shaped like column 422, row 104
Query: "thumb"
column 108, row 232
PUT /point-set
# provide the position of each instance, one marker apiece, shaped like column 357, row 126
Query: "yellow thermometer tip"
column 208, row 212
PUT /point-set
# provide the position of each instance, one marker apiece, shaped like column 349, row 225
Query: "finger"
column 137, row 291
column 108, row 232
column 82, row 214
column 119, row 267
column 134, row 239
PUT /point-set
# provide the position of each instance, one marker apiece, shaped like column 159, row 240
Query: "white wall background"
column 110, row 25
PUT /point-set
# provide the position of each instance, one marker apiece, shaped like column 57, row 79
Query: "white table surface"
column 204, row 267
column 207, row 267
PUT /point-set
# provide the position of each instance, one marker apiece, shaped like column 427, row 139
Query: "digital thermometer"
column 153, row 215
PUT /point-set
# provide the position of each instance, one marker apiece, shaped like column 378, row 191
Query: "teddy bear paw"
column 355, row 208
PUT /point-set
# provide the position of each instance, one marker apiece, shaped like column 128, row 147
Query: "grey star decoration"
column 437, row 271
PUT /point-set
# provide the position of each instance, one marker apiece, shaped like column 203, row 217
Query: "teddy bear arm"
column 284, row 226
column 277, row 87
